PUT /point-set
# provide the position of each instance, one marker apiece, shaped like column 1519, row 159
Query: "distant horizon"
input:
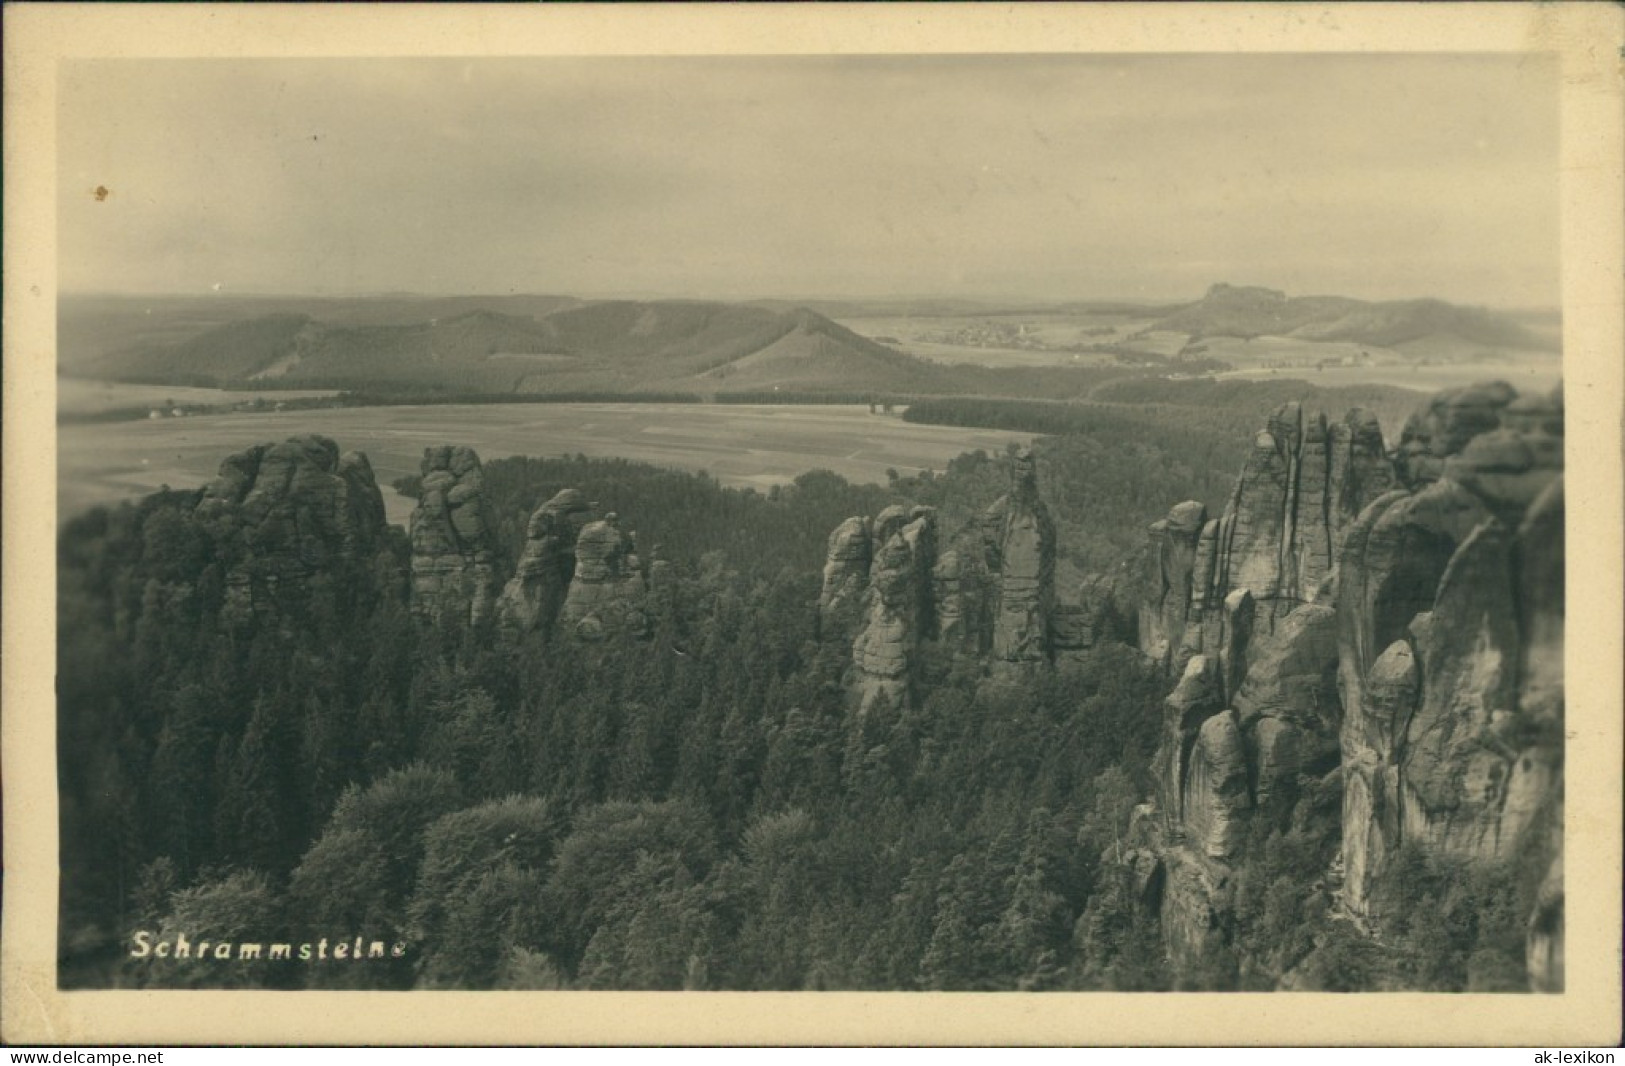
column 1032, row 177
column 650, row 296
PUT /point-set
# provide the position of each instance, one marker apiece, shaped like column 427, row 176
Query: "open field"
column 999, row 358
column 909, row 333
column 1040, row 339
column 75, row 396
column 100, row 463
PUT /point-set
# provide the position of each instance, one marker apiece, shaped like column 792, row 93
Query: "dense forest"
column 1222, row 412
column 698, row 809
column 695, row 803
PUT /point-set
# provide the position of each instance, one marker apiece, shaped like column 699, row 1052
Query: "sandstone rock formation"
column 1192, row 702
column 846, row 577
column 287, row 512
column 1025, row 565
column 1544, row 940
column 607, row 595
column 900, row 610
column 452, row 573
column 533, row 596
column 1463, row 577
column 1398, row 628
column 1443, row 428
column 895, row 581
column 1298, row 495
column 1287, row 701
column 1215, row 794
column 1174, row 544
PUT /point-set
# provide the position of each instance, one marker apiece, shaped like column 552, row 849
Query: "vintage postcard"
column 899, row 523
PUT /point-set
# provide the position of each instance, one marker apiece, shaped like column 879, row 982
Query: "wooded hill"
column 617, row 346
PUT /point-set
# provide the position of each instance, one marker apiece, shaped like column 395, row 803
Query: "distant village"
column 988, row 335
column 170, row 409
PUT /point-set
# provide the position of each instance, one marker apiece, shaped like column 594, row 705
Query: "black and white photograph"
column 913, row 521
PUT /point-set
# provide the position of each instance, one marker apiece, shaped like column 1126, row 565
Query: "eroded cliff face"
column 290, row 511
column 1299, row 493
column 1395, row 628
column 1460, row 582
column 900, row 604
column 846, row 576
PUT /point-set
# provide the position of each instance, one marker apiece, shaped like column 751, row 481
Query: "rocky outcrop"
column 1188, row 912
column 1299, row 493
column 1463, row 578
column 1215, row 795
column 533, row 596
column 1025, row 565
column 1445, row 426
column 579, row 575
column 1397, row 628
column 286, row 512
column 1538, row 562
column 846, row 577
column 900, row 602
column 958, row 600
column 1175, row 543
column 1287, row 702
column 1215, row 765
column 1201, row 766
column 1544, row 939
column 1193, row 701
column 895, row 582
column 608, row 593
column 452, row 564
column 1371, row 742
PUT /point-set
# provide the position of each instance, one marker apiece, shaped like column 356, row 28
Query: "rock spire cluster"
column 898, row 581
column 1389, row 626
column 533, row 596
column 1302, row 487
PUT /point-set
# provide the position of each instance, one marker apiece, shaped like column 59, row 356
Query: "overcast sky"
column 1045, row 177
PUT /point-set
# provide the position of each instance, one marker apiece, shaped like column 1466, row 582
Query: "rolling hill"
column 619, row 345
column 295, row 350
column 402, row 346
